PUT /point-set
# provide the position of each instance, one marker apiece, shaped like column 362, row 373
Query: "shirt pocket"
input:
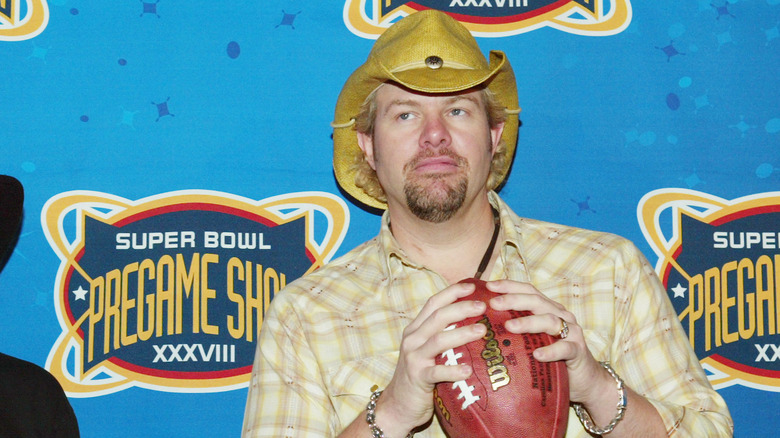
column 351, row 383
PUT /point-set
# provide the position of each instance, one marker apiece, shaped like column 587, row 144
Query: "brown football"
column 509, row 393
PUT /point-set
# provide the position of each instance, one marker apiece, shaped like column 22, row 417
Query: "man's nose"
column 435, row 133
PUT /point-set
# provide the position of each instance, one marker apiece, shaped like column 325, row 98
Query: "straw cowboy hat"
column 11, row 200
column 430, row 52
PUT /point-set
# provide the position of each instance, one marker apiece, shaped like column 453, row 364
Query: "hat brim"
column 498, row 77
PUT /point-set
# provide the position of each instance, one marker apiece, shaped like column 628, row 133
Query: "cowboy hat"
column 429, row 52
column 11, row 200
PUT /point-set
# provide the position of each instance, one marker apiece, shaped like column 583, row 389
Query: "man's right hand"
column 407, row 401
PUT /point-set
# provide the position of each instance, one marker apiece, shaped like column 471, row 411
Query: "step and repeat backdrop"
column 176, row 164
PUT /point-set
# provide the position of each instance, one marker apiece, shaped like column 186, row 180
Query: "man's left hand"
column 586, row 376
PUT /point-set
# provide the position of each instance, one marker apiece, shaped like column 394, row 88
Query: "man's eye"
column 405, row 116
column 457, row 112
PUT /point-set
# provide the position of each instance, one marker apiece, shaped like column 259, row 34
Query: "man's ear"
column 366, row 143
column 495, row 135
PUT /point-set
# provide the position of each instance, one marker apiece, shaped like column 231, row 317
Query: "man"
column 32, row 402
column 426, row 129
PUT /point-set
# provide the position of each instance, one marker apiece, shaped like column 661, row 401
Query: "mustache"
column 434, row 153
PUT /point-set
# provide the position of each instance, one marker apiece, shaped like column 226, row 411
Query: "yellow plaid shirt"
column 332, row 335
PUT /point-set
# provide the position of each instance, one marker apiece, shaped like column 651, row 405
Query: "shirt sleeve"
column 653, row 355
column 286, row 396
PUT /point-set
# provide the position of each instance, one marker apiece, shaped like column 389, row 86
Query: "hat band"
column 335, row 125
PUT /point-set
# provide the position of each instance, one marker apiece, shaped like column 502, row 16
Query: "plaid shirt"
column 333, row 335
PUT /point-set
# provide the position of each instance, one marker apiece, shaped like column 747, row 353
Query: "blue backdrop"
column 129, row 109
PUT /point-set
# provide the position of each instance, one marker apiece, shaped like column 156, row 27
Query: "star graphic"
column 80, row 293
column 679, row 291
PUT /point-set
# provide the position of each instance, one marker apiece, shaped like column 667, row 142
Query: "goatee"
column 431, row 197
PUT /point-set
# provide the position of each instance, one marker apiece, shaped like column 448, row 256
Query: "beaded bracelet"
column 587, row 421
column 376, row 432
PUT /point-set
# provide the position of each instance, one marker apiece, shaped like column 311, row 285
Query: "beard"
column 435, row 197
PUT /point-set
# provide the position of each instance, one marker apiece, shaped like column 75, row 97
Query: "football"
column 509, row 393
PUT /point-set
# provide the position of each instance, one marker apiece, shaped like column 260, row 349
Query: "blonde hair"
column 366, row 178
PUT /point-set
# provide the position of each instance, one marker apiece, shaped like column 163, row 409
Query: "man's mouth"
column 436, row 165
column 443, row 162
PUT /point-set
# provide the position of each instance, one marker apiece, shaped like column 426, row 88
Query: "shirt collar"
column 395, row 258
column 511, row 260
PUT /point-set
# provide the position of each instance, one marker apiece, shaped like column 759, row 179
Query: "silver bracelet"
column 376, row 432
column 587, row 421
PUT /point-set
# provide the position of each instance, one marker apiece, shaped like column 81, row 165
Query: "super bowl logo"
column 22, row 19
column 494, row 18
column 720, row 263
column 169, row 292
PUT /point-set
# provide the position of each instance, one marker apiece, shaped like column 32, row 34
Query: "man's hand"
column 407, row 402
column 589, row 383
column 547, row 316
